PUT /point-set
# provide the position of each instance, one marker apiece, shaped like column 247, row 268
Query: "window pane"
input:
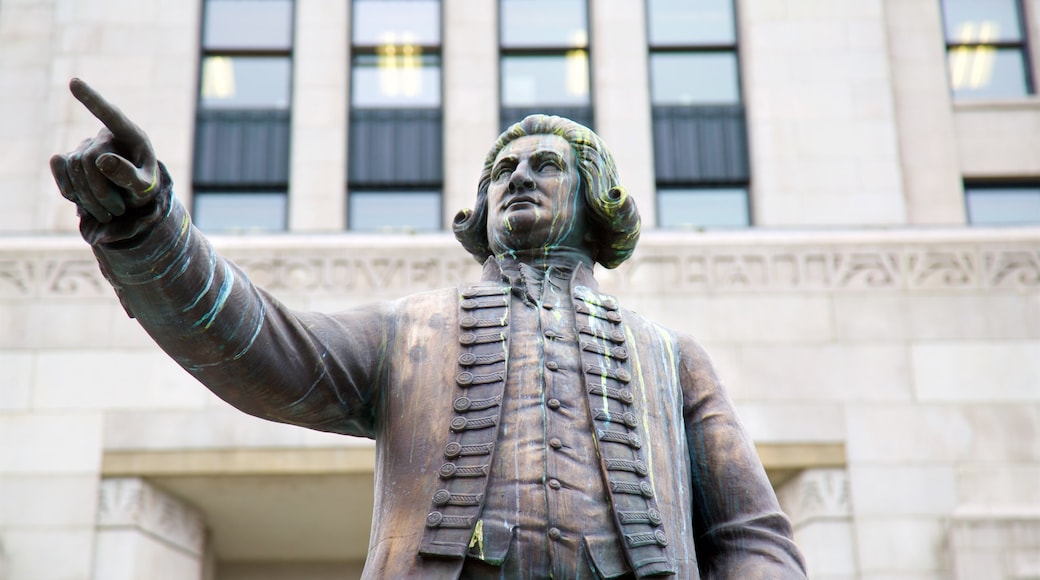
column 702, row 208
column 239, row 211
column 395, row 211
column 548, row 23
column 392, row 79
column 982, row 21
column 245, row 82
column 684, row 23
column 397, row 22
column 694, row 78
column 247, row 24
column 545, row 80
column 1003, row 206
column 987, row 72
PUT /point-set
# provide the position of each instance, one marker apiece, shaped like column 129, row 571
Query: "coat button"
column 620, row 352
column 468, row 322
column 555, row 534
column 646, row 489
column 661, row 538
column 467, row 338
column 452, row 450
column 617, row 336
column 614, row 316
column 434, row 519
column 555, row 483
column 448, row 469
column 623, row 376
column 459, row 424
column 630, row 419
column 441, row 497
column 555, row 443
column 626, row 396
column 464, row 379
column 553, row 404
column 461, row 404
column 467, row 359
column 641, row 468
column 654, row 516
column 552, row 365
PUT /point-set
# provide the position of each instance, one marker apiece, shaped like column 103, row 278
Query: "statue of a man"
column 526, row 426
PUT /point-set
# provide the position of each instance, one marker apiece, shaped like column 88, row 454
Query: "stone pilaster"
column 144, row 532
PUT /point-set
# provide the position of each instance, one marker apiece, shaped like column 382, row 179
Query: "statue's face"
column 534, row 199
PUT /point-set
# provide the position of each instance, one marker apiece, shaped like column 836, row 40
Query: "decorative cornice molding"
column 752, row 261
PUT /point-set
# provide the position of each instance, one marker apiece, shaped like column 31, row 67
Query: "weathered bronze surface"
column 527, row 425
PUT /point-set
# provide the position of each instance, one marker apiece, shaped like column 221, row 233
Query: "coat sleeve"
column 314, row 370
column 741, row 533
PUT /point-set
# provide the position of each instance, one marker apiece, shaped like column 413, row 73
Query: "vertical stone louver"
column 477, row 409
column 612, row 408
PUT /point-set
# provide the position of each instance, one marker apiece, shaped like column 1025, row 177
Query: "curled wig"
column 613, row 219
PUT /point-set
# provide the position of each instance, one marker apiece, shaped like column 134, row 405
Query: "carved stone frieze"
column 816, row 494
column 134, row 503
column 869, row 261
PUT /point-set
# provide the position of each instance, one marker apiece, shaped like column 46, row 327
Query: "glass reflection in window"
column 686, row 23
column 993, row 206
column 379, row 22
column 981, row 21
column 247, row 24
column 394, row 211
column 694, row 78
column 239, row 212
column 987, row 72
column 396, row 78
column 695, row 208
column 543, row 23
column 545, row 80
column 245, row 82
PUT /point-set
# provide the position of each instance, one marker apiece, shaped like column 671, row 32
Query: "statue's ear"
column 462, row 216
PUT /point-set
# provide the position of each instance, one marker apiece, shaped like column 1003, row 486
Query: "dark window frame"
column 279, row 116
column 660, row 112
column 1022, row 46
column 1009, row 184
column 357, row 115
column 584, row 114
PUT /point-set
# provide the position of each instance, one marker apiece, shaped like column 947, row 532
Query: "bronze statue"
column 526, row 426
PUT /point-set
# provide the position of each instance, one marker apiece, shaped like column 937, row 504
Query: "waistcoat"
column 472, row 432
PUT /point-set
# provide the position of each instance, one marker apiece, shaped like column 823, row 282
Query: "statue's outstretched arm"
column 308, row 369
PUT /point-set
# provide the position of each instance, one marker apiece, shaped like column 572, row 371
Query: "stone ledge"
column 778, row 457
column 237, row 462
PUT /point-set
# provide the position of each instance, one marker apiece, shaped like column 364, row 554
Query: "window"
column 395, row 166
column 986, row 49
column 544, row 64
column 1002, row 204
column 700, row 133
column 241, row 169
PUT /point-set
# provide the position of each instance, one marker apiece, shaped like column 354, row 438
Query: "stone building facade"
column 881, row 342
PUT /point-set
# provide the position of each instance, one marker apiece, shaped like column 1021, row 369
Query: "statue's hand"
column 115, row 170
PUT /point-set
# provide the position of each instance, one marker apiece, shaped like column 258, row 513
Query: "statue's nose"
column 520, row 180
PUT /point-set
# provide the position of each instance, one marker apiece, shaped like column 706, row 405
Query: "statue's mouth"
column 524, row 198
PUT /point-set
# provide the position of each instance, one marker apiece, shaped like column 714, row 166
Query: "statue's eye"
column 549, row 164
column 500, row 172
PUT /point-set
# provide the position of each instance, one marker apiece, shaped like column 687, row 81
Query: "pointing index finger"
column 121, row 126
